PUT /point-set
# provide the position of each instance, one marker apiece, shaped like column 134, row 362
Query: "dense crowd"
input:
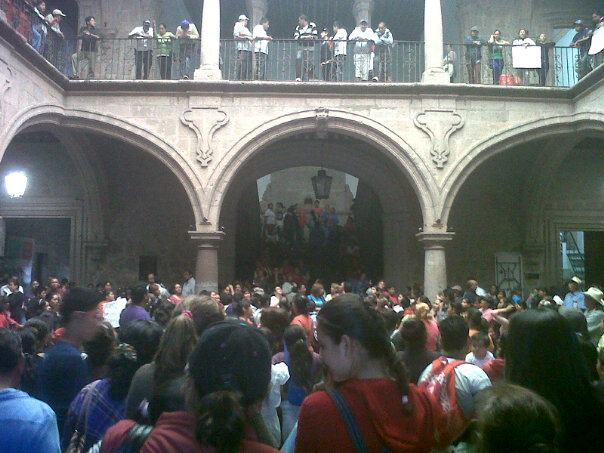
column 247, row 369
column 320, row 53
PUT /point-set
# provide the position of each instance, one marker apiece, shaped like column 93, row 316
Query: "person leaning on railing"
column 244, row 38
column 365, row 39
column 474, row 45
column 38, row 28
column 545, row 49
column 305, row 33
column 382, row 64
column 187, row 36
column 83, row 61
column 164, row 51
column 261, row 40
column 496, row 62
column 340, row 39
column 143, row 53
column 581, row 41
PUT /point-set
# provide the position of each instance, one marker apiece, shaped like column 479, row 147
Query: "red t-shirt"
column 173, row 433
column 306, row 322
column 379, row 413
column 433, row 333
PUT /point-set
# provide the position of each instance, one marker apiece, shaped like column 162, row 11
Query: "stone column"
column 435, row 264
column 257, row 9
column 362, row 10
column 210, row 42
column 206, row 264
column 433, row 38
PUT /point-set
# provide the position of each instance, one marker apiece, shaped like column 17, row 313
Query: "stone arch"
column 115, row 128
column 549, row 128
column 322, row 121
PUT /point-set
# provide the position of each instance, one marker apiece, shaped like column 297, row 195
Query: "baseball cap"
column 474, row 28
column 185, row 23
column 578, row 22
column 363, row 22
column 243, row 17
column 148, row 22
column 58, row 12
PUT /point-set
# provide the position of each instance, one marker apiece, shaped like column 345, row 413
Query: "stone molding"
column 439, row 125
column 207, row 240
column 6, row 76
column 434, row 240
column 204, row 121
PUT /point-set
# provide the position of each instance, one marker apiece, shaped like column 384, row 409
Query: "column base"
column 208, row 73
column 435, row 76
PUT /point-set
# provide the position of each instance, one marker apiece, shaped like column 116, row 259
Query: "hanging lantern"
column 15, row 184
column 321, row 184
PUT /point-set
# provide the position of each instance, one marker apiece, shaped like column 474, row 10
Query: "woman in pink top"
column 422, row 311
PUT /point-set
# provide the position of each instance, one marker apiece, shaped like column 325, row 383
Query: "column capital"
column 207, row 240
column 434, row 239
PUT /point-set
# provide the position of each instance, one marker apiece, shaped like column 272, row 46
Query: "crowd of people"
column 320, row 53
column 247, row 369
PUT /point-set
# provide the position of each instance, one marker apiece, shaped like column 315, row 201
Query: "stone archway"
column 114, row 127
column 401, row 214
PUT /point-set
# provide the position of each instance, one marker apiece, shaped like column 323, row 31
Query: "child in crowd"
column 480, row 354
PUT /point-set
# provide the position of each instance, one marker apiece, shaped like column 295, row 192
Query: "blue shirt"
column 26, row 424
column 61, row 376
column 577, row 297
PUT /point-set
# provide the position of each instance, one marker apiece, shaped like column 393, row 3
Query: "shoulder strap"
column 137, row 436
column 349, row 420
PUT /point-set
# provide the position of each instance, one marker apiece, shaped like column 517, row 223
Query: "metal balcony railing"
column 288, row 59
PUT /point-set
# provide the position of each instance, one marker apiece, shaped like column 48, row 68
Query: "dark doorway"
column 594, row 257
column 37, row 248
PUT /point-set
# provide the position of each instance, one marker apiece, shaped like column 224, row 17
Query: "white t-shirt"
column 340, row 42
column 5, row 291
column 469, row 380
column 241, row 31
column 269, row 215
column 362, row 46
column 261, row 45
column 471, row 358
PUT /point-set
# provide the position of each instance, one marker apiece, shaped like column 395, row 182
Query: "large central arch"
column 390, row 146
column 299, row 145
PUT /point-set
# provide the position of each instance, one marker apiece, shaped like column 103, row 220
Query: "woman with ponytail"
column 368, row 404
column 228, row 377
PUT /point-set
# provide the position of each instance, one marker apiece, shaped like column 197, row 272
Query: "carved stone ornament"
column 321, row 118
column 439, row 125
column 6, row 75
column 204, row 121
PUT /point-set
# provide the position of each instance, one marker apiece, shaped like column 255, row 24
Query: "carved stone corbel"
column 439, row 125
column 6, row 76
column 204, row 121
column 321, row 119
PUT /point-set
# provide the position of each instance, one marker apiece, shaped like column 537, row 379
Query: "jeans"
column 260, row 72
column 382, row 63
column 243, row 68
column 143, row 60
column 340, row 61
column 543, row 75
column 165, row 67
column 497, row 66
column 474, row 70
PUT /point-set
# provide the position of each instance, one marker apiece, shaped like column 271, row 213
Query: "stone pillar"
column 433, row 38
column 210, row 42
column 257, row 9
column 362, row 10
column 206, row 264
column 435, row 264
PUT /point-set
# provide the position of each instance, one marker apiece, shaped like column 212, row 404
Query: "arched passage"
column 516, row 204
column 127, row 211
column 401, row 213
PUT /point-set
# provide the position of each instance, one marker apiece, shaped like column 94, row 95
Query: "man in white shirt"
column 261, row 40
column 188, row 286
column 244, row 38
column 54, row 20
column 187, row 36
column 365, row 38
column 382, row 64
column 143, row 55
column 305, row 33
column 526, row 75
column 469, row 379
column 340, row 39
column 11, row 287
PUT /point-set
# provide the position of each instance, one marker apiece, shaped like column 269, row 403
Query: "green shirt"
column 495, row 51
column 164, row 44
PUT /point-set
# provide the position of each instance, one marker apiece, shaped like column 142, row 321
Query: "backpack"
column 439, row 387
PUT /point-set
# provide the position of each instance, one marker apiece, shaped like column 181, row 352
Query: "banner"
column 526, row 57
column 597, row 41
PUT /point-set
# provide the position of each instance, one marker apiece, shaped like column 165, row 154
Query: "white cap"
column 58, row 12
column 243, row 17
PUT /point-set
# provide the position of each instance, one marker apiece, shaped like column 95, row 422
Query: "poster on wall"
column 528, row 57
column 508, row 271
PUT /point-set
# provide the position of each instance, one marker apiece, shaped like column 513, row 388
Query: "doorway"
column 583, row 256
column 37, row 248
